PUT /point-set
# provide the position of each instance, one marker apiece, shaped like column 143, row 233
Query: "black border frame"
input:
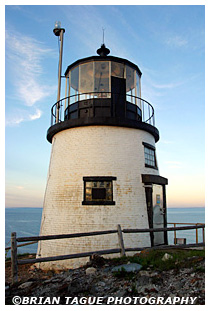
column 98, row 178
column 152, row 148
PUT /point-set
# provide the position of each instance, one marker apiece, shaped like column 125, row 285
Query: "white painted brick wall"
column 94, row 151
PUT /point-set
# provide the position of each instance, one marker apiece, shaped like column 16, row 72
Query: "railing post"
column 149, row 114
column 121, row 241
column 14, row 262
column 175, row 235
column 196, row 234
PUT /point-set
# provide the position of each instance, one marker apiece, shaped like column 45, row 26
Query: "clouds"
column 176, row 41
column 24, row 70
column 165, row 86
column 35, row 116
column 12, row 121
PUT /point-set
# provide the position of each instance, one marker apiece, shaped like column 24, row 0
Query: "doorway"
column 158, row 213
column 118, row 95
column 155, row 190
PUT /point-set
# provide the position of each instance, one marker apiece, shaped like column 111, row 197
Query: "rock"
column 98, row 287
column 144, row 273
column 68, row 278
column 94, row 290
column 101, row 284
column 47, row 281
column 78, row 286
column 167, row 257
column 120, row 293
column 90, row 270
column 143, row 280
column 56, row 279
column 150, row 274
column 151, row 288
column 131, row 267
column 63, row 288
column 25, row 285
column 141, row 289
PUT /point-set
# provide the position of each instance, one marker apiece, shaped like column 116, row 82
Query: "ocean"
column 185, row 215
column 26, row 222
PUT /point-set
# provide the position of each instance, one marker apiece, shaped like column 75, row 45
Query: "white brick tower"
column 103, row 168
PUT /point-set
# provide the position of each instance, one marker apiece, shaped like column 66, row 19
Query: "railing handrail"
column 83, row 234
column 185, row 223
column 59, row 103
column 35, row 239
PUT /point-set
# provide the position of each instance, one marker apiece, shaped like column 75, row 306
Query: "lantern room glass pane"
column 86, row 78
column 117, row 70
column 130, row 84
column 101, row 77
column 138, row 90
column 74, row 77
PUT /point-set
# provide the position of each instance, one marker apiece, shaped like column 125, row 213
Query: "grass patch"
column 180, row 258
column 153, row 259
column 119, row 260
column 199, row 269
column 124, row 274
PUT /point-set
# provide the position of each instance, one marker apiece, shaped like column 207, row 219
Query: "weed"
column 134, row 289
column 199, row 269
column 122, row 273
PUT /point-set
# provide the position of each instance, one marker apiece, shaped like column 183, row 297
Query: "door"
column 158, row 213
column 118, row 95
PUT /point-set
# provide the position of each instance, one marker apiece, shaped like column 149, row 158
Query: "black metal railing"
column 142, row 107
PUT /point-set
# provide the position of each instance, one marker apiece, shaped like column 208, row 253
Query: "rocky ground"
column 104, row 281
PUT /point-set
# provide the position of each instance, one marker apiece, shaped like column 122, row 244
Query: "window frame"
column 152, row 148
column 98, row 179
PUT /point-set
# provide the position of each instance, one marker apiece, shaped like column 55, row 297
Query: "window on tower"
column 98, row 190
column 150, row 156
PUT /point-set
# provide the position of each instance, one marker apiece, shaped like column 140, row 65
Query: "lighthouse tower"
column 103, row 168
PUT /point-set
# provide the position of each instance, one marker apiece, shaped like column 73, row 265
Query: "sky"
column 167, row 42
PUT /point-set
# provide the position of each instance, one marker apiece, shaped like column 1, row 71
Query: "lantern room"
column 95, row 78
column 100, row 87
column 107, row 81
